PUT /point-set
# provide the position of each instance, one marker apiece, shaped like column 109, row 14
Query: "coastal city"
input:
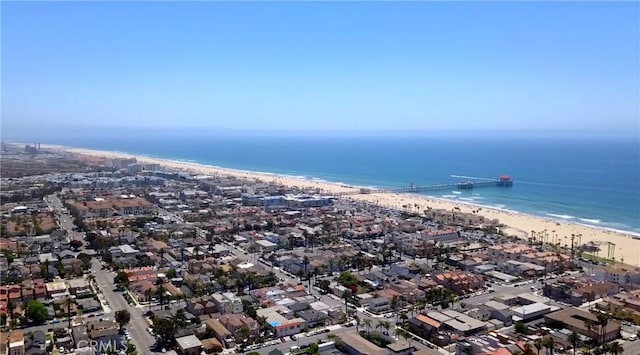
column 106, row 254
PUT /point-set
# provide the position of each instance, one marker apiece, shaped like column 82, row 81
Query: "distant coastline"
column 518, row 223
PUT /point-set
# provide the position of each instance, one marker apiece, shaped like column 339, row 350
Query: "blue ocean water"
column 583, row 180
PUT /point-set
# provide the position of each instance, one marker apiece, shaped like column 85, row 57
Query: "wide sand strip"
column 519, row 224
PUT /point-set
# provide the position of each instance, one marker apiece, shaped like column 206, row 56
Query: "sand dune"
column 520, row 225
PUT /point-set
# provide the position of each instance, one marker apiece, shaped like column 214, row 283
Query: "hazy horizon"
column 341, row 68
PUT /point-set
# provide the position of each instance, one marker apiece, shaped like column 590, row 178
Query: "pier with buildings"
column 502, row 181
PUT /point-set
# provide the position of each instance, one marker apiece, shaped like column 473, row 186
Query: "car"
column 293, row 337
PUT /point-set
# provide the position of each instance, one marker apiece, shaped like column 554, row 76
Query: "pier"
column 502, row 181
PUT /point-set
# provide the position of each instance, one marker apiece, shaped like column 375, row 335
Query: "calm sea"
column 590, row 181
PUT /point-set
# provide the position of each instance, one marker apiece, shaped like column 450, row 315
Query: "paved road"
column 111, row 301
column 303, row 340
column 631, row 347
column 138, row 325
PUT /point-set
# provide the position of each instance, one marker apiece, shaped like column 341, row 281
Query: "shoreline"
column 519, row 224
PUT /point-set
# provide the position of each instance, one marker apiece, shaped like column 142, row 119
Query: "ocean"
column 594, row 181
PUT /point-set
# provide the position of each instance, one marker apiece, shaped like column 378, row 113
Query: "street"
column 110, row 300
column 137, row 326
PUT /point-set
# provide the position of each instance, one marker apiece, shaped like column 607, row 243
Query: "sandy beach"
column 519, row 224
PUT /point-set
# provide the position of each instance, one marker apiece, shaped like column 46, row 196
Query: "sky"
column 320, row 66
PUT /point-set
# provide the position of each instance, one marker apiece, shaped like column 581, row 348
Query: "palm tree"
column 589, row 324
column 548, row 343
column 68, row 302
column 615, row 348
column 528, row 349
column 603, row 321
column 305, row 262
column 11, row 307
column 147, row 294
column 404, row 317
column 538, row 344
column 346, row 295
column 357, row 319
column 367, row 324
column 573, row 338
column 386, row 325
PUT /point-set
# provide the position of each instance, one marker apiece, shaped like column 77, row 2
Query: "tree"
column 548, row 343
column 68, row 302
column 131, row 349
column 85, row 261
column 590, row 324
column 171, row 273
column 36, row 312
column 122, row 317
column 386, row 325
column 11, row 306
column 367, row 324
column 521, row 328
column 573, row 338
column 165, row 328
column 615, row 348
column 538, row 344
column 179, row 319
column 347, row 296
column 121, row 279
column 404, row 317
column 107, row 258
column 75, row 244
column 528, row 349
column 603, row 321
column 243, row 333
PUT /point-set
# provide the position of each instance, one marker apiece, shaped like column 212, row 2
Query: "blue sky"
column 313, row 66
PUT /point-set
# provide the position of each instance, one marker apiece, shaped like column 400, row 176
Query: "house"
column 33, row 289
column 103, row 331
column 313, row 318
column 379, row 305
column 35, row 343
column 281, row 320
column 124, row 250
column 457, row 322
column 189, row 345
column 202, row 305
column 140, row 274
column 357, row 345
column 236, row 324
column 424, row 326
column 211, row 345
column 16, row 343
column 57, row 289
column 79, row 287
column 220, row 332
column 227, row 303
